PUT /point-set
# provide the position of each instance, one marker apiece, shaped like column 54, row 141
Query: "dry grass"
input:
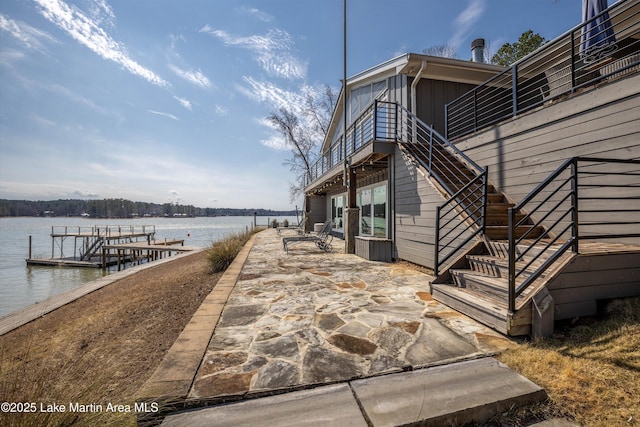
column 102, row 347
column 221, row 254
column 590, row 368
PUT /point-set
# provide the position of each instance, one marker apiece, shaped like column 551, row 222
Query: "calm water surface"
column 22, row 285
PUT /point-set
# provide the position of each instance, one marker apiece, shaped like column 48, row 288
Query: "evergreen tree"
column 511, row 52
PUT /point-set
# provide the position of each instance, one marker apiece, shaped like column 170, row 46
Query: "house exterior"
column 410, row 82
column 505, row 181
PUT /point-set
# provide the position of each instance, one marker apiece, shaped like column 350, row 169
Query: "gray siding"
column 432, row 96
column 398, row 89
column 523, row 151
column 317, row 210
column 609, row 276
column 415, row 203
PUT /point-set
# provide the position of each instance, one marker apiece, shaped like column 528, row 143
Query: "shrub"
column 222, row 253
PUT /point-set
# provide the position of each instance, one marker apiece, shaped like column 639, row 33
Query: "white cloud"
column 31, row 37
column 267, row 92
column 275, row 142
column 42, row 121
column 272, row 51
column 465, row 21
column 8, row 57
column 159, row 113
column 184, row 102
column 89, row 33
column 221, row 110
column 102, row 13
column 262, row 16
column 195, row 77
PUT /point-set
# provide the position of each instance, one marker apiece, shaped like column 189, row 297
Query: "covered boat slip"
column 105, row 246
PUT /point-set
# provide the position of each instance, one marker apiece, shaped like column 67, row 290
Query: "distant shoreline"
column 122, row 209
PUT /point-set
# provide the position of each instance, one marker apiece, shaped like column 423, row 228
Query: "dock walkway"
column 105, row 246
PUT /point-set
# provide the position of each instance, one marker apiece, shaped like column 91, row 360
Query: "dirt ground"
column 101, row 348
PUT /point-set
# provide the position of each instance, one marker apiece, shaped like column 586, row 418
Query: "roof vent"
column 477, row 50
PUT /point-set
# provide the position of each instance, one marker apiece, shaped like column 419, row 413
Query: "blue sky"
column 165, row 100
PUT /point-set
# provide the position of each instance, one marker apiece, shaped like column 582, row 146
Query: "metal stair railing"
column 92, row 249
column 557, row 68
column 462, row 216
column 576, row 202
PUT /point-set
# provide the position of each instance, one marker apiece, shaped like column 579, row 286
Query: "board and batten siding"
column 431, row 97
column 603, row 122
column 415, row 198
column 316, row 210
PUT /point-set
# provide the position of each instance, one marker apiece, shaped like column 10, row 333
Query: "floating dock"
column 106, row 246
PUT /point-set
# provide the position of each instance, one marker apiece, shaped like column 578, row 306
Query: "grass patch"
column 101, row 348
column 222, row 253
column 590, row 368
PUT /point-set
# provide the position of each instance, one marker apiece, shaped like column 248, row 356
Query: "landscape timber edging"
column 171, row 381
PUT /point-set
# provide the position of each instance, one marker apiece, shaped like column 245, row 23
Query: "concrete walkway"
column 454, row 394
column 277, row 323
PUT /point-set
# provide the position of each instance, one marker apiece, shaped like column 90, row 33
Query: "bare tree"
column 488, row 51
column 443, row 51
column 303, row 133
column 319, row 109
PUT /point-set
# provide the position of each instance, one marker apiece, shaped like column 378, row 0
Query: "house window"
column 361, row 97
column 372, row 202
column 337, row 212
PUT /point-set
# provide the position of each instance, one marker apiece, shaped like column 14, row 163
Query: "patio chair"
column 322, row 239
column 298, row 229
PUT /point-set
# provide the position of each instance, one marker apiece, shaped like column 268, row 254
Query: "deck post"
column 351, row 214
column 30, row 247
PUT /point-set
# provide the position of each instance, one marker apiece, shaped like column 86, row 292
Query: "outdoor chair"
column 298, row 229
column 322, row 239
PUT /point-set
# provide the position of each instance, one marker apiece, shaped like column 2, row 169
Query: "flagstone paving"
column 312, row 317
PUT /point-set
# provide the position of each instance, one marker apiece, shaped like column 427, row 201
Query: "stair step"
column 501, row 250
column 501, row 208
column 490, row 265
column 499, row 267
column 497, row 289
column 474, row 305
column 499, row 232
column 495, row 198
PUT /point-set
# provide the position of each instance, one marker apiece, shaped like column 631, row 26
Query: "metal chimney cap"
column 477, row 43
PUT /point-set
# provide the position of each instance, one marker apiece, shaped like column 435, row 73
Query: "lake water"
column 22, row 285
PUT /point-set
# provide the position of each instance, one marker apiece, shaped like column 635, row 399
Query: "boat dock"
column 105, row 246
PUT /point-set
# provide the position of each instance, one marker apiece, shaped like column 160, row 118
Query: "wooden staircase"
column 476, row 283
column 478, row 287
column 472, row 230
column 471, row 233
column 450, row 174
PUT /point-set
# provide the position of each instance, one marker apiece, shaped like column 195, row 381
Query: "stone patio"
column 311, row 317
